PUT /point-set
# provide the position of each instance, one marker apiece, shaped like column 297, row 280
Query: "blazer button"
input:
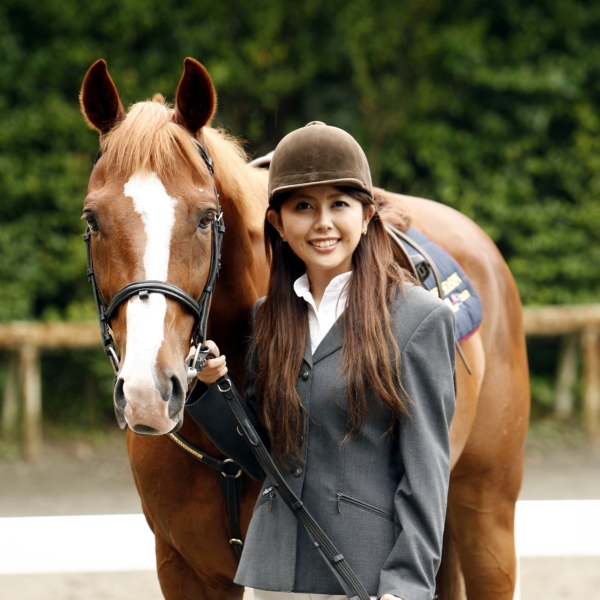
column 297, row 472
column 305, row 375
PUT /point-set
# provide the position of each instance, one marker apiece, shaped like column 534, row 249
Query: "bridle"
column 199, row 308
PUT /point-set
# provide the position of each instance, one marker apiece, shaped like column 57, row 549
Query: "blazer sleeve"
column 210, row 411
column 427, row 373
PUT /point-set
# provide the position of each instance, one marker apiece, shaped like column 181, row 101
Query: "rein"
column 232, row 476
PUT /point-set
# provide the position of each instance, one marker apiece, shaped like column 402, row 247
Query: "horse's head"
column 149, row 207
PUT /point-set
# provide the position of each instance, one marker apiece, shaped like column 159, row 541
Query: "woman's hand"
column 214, row 368
column 390, row 597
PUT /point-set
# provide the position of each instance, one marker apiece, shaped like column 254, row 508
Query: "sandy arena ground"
column 85, row 478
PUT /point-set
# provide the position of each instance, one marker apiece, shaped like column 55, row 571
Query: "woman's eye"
column 206, row 219
column 339, row 203
column 91, row 221
column 303, row 206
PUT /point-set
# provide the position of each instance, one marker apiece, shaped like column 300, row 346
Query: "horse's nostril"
column 144, row 430
column 119, row 394
column 177, row 398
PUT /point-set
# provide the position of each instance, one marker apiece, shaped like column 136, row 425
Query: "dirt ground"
column 93, row 477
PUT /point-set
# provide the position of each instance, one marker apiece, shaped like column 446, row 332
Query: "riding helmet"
column 318, row 154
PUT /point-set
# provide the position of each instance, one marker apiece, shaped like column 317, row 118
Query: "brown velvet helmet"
column 318, row 154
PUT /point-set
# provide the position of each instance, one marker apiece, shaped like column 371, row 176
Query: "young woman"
column 350, row 382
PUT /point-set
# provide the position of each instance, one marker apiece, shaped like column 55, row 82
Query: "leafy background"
column 489, row 107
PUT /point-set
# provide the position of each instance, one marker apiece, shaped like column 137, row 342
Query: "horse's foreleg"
column 179, row 581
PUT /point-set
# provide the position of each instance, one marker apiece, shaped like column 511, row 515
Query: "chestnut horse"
column 149, row 203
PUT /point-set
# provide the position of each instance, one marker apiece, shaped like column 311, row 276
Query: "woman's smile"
column 324, row 244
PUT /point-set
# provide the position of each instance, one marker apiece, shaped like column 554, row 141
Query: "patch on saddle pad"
column 457, row 290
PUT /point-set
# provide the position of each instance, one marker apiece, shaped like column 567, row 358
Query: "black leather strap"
column 231, row 478
column 152, row 286
column 334, row 560
column 231, row 486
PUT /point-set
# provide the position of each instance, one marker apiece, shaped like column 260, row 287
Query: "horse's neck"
column 242, row 280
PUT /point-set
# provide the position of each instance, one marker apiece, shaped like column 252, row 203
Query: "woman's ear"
column 368, row 213
column 274, row 218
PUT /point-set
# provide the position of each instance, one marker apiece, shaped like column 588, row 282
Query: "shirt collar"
column 335, row 287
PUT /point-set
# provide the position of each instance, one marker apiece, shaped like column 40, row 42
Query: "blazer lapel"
column 331, row 342
column 308, row 357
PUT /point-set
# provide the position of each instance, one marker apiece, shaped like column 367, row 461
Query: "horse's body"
column 181, row 498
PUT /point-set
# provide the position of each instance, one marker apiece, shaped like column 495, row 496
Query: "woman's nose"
column 323, row 220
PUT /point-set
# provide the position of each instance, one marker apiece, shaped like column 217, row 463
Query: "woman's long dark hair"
column 369, row 351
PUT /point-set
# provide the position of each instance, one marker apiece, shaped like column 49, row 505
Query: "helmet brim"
column 344, row 182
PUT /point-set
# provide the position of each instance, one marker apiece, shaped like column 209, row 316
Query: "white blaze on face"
column 145, row 318
column 157, row 210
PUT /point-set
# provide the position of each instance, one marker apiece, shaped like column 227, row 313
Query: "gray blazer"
column 380, row 498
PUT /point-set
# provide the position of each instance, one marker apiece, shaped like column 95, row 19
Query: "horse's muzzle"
column 150, row 409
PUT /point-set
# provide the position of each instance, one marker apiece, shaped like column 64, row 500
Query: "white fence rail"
column 558, row 528
column 78, row 544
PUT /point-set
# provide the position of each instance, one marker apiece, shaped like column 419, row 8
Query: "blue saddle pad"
column 457, row 290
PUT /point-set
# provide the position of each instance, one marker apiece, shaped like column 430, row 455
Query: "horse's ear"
column 99, row 99
column 196, row 99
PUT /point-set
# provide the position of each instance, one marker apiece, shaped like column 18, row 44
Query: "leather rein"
column 232, row 475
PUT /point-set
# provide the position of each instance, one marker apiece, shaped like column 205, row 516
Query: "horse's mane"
column 147, row 140
column 237, row 180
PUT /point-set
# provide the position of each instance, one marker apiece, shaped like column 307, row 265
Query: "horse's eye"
column 206, row 219
column 91, row 221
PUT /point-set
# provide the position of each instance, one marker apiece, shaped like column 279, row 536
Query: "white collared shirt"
column 332, row 305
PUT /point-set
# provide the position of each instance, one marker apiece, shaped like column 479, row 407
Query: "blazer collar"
column 329, row 344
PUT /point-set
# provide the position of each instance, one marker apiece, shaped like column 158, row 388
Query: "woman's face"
column 322, row 227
